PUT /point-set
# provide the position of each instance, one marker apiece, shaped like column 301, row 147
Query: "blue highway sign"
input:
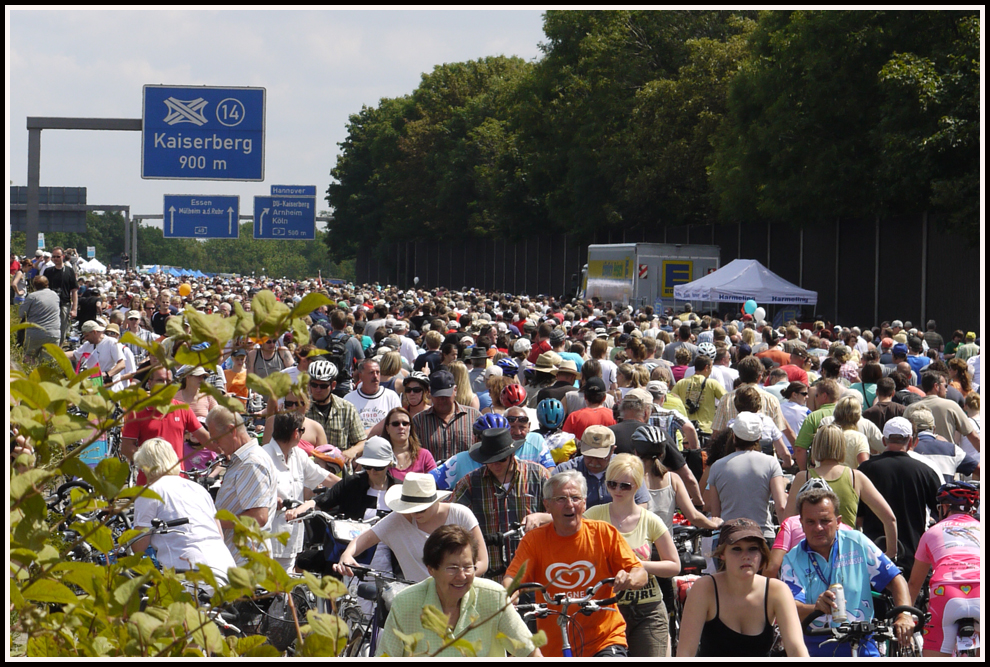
column 201, row 216
column 293, row 191
column 285, row 218
column 200, row 133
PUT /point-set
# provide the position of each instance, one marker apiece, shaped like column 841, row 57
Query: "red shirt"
column 537, row 350
column 579, row 420
column 150, row 423
column 795, row 374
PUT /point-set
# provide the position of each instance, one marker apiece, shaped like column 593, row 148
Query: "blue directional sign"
column 201, row 216
column 200, row 133
column 285, row 218
column 293, row 191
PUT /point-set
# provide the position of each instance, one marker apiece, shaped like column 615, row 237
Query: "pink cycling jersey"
column 952, row 546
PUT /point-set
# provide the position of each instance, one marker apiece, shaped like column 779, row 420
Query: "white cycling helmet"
column 322, row 370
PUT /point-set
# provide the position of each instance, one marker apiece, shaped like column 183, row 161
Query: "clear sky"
column 317, row 67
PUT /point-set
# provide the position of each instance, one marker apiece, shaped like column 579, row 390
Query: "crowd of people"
column 456, row 415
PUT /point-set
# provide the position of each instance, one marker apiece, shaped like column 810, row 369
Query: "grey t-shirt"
column 742, row 481
column 42, row 308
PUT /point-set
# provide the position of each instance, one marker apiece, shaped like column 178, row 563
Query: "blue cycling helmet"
column 550, row 412
column 509, row 366
column 490, row 420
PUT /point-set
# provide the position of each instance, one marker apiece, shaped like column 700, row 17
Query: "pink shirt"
column 791, row 533
column 423, row 463
column 952, row 546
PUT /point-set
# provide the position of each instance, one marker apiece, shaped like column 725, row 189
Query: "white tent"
column 92, row 266
column 744, row 279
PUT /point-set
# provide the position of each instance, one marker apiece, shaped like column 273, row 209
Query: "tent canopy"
column 744, row 279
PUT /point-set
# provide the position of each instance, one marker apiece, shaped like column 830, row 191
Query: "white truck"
column 644, row 274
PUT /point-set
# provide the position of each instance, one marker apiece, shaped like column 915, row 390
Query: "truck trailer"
column 644, row 274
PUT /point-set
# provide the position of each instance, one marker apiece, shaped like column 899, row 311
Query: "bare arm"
column 378, row 429
column 691, row 484
column 801, row 457
column 364, row 541
column 869, row 495
column 479, row 541
column 974, row 439
column 202, row 436
column 918, row 574
column 778, row 491
column 690, row 434
column 774, row 562
column 796, row 484
column 693, row 618
column 683, row 501
column 783, row 609
column 714, row 503
column 904, row 623
column 670, row 563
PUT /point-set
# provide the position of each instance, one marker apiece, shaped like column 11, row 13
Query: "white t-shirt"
column 609, row 372
column 105, row 355
column 406, row 540
column 129, row 367
column 291, row 477
column 198, row 541
column 373, row 408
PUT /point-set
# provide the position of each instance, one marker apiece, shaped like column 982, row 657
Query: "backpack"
column 337, row 353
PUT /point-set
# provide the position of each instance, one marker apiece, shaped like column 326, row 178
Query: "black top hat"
column 495, row 445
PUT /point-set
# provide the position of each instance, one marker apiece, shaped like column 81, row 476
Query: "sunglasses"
column 291, row 404
column 521, row 420
column 613, row 485
column 319, row 385
column 414, row 390
column 398, row 424
column 376, row 468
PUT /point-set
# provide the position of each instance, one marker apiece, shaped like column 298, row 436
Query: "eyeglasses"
column 414, row 390
column 291, row 404
column 521, row 420
column 319, row 385
column 376, row 468
column 454, row 570
column 399, row 424
column 613, row 485
column 560, row 500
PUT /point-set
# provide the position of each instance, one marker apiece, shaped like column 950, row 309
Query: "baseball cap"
column 377, row 453
column 442, row 384
column 91, row 325
column 657, row 387
column 898, row 426
column 641, row 396
column 734, row 530
column 133, row 314
column 597, row 441
column 748, row 426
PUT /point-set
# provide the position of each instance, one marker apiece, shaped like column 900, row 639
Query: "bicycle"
column 363, row 639
column 503, row 540
column 858, row 632
column 585, row 604
column 687, row 539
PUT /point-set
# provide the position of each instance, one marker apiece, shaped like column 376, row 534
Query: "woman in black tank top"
column 732, row 612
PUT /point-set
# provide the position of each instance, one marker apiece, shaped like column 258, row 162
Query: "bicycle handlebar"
column 860, row 627
column 361, row 572
column 158, row 523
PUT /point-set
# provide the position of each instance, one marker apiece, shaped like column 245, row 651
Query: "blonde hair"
column 622, row 464
column 156, row 458
column 829, row 445
column 391, row 363
column 848, row 411
column 464, row 393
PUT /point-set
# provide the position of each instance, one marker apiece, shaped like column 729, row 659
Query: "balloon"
column 185, row 289
column 759, row 314
column 749, row 307
column 416, row 280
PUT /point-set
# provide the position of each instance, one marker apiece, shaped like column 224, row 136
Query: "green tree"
column 824, row 120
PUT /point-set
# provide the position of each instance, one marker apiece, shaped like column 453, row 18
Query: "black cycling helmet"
column 959, row 494
column 650, row 441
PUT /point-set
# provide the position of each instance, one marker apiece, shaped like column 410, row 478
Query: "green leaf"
column 467, row 648
column 128, row 592
column 30, row 393
column 96, row 534
column 128, row 338
column 144, row 626
column 95, row 404
column 112, row 474
column 55, row 392
column 173, row 329
column 319, row 646
column 309, row 303
column 73, row 467
column 539, row 639
column 276, row 384
column 327, row 588
column 240, row 577
column 230, row 402
column 518, row 579
column 410, row 643
column 87, row 576
column 46, row 590
column 25, row 484
column 434, row 620
column 300, row 332
column 43, row 646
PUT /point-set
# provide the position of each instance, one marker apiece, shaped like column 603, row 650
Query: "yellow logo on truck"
column 614, row 269
column 675, row 272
